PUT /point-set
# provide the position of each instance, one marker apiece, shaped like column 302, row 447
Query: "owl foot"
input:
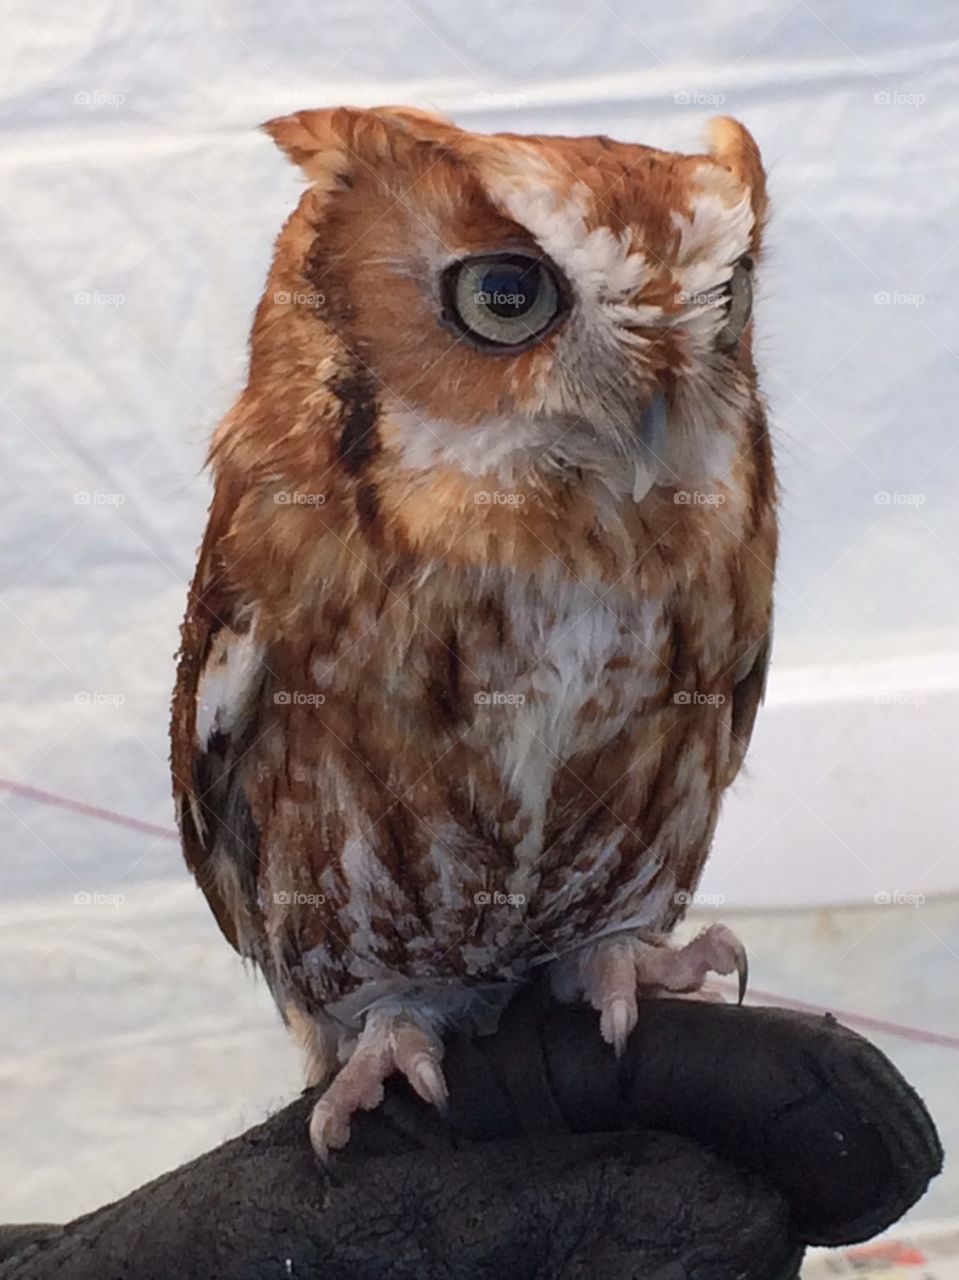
column 389, row 1042
column 616, row 969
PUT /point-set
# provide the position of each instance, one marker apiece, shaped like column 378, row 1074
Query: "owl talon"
column 389, row 1042
column 617, row 1023
column 611, row 984
column 742, row 971
column 329, row 1129
column 427, row 1079
column 614, row 970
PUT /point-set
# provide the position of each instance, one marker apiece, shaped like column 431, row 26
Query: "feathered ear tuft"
column 733, row 146
column 317, row 142
column 328, row 144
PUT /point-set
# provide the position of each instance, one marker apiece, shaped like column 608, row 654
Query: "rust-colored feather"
column 478, row 636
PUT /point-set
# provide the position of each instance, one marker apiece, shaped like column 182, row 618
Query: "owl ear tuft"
column 327, row 144
column 733, row 146
column 421, row 126
column 317, row 142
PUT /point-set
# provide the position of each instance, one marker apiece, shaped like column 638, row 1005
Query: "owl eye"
column 504, row 300
column 739, row 305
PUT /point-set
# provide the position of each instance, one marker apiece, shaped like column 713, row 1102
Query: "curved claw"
column 426, row 1077
column 329, row 1129
column 742, row 970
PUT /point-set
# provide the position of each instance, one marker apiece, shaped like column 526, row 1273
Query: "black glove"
column 724, row 1141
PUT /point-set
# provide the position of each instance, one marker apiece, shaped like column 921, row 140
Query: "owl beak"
column 652, row 435
column 652, row 427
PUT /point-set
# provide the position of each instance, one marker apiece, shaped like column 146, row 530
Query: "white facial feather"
column 594, row 385
column 605, row 271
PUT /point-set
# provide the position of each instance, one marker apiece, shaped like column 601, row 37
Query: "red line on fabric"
column 168, row 833
column 88, row 810
column 845, row 1015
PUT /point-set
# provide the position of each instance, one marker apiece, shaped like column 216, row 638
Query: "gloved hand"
column 724, row 1141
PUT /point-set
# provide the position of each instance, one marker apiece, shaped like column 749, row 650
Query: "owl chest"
column 570, row 667
column 534, row 708
column 491, row 715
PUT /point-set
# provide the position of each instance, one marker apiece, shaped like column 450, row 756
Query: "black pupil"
column 509, row 289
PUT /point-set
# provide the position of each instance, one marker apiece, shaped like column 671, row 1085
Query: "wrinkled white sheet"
column 137, row 210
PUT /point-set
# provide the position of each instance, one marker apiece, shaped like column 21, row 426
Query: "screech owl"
column 481, row 618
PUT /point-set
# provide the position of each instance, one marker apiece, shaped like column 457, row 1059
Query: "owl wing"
column 221, row 677
column 749, row 688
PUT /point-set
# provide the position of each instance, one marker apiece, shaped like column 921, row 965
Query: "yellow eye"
column 502, row 301
column 739, row 307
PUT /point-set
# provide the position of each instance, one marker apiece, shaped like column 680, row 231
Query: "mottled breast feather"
column 472, row 654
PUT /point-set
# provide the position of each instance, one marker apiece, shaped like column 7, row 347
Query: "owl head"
column 460, row 304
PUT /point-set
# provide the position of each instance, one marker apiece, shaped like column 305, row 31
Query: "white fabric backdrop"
column 138, row 208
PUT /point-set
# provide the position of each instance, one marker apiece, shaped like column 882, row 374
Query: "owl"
column 481, row 617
